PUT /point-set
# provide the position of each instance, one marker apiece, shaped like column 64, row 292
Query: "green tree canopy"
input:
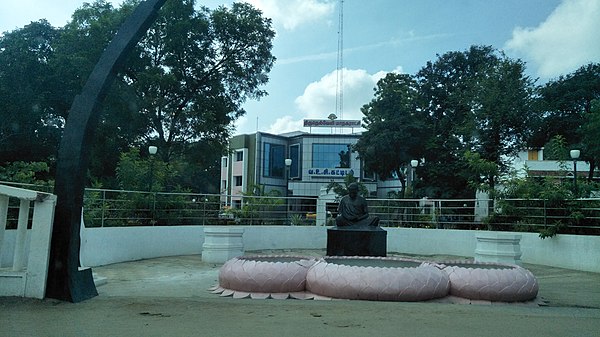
column 396, row 127
column 590, row 137
column 479, row 101
column 29, row 130
column 195, row 68
column 473, row 102
column 568, row 106
column 182, row 87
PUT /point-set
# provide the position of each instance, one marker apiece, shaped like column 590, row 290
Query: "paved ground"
column 168, row 297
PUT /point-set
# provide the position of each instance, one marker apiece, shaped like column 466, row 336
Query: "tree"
column 29, row 131
column 501, row 110
column 43, row 68
column 567, row 104
column 396, row 128
column 183, row 87
column 77, row 50
column 27, row 173
column 479, row 101
column 589, row 131
column 195, row 68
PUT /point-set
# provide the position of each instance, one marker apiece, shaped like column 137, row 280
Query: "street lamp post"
column 413, row 164
column 152, row 151
column 575, row 155
column 288, row 164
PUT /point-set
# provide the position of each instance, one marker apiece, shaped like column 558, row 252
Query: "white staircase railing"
column 23, row 262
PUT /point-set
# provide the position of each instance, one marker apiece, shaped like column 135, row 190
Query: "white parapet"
column 498, row 248
column 24, row 271
column 222, row 243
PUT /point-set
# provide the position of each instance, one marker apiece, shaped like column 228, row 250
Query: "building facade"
column 314, row 160
column 533, row 163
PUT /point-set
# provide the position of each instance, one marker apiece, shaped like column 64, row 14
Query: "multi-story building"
column 313, row 161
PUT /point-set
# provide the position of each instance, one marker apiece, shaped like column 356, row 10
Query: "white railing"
column 24, row 259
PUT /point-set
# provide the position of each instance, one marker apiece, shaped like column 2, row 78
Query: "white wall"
column 431, row 241
column 285, row 237
column 580, row 252
column 100, row 246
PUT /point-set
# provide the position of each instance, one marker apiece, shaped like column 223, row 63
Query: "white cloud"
column 567, row 39
column 319, row 98
column 293, row 13
column 285, row 124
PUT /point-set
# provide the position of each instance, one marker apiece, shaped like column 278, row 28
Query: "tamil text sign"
column 336, row 172
column 342, row 123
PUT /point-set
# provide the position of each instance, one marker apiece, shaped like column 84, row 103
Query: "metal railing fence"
column 118, row 208
column 574, row 216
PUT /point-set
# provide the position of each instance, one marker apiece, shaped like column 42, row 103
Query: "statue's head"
column 353, row 190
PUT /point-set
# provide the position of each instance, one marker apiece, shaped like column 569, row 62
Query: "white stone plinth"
column 498, row 248
column 222, row 243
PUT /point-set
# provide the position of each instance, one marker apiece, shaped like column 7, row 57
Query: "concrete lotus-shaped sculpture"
column 275, row 276
column 491, row 282
column 377, row 279
column 372, row 278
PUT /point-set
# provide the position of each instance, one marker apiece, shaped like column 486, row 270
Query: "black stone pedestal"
column 348, row 241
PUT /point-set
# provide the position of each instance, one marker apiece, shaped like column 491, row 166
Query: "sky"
column 553, row 37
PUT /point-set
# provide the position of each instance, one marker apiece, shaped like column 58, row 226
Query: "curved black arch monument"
column 65, row 280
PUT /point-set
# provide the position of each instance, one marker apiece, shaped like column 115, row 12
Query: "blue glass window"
column 295, row 157
column 331, row 155
column 274, row 160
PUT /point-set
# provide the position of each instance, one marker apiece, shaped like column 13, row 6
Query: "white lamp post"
column 288, row 164
column 152, row 151
column 575, row 155
column 413, row 164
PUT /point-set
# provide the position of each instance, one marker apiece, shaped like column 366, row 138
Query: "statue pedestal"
column 348, row 241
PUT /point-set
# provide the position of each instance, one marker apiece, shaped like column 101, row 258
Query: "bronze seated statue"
column 353, row 211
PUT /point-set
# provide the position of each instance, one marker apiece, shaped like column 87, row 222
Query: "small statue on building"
column 353, row 211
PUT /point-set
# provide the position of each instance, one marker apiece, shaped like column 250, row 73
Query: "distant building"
column 316, row 160
column 533, row 163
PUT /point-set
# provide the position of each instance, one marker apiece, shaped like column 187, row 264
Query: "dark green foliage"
column 34, row 174
column 181, row 90
column 342, row 189
column 477, row 101
column 30, row 128
column 396, row 128
column 260, row 204
column 590, row 139
column 194, row 70
column 546, row 205
column 569, row 107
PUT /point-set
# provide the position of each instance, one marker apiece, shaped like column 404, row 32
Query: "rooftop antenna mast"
column 339, row 99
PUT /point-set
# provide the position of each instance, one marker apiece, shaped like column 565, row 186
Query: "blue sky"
column 554, row 37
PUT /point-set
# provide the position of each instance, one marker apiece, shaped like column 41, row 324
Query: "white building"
column 533, row 163
column 314, row 161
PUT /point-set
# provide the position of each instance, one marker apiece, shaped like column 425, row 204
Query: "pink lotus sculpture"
column 372, row 278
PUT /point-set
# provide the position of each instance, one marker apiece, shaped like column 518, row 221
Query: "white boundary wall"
column 101, row 246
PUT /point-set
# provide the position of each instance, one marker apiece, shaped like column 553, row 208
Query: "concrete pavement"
column 168, row 297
